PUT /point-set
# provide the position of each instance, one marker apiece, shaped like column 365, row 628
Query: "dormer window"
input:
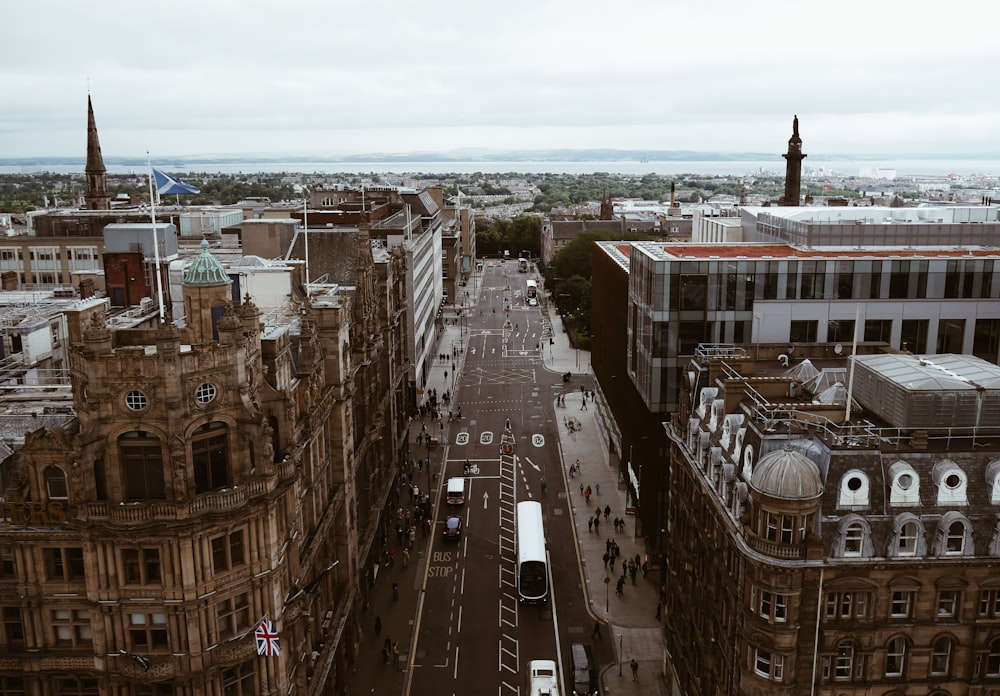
column 854, row 490
column 954, row 536
column 904, row 484
column 951, row 483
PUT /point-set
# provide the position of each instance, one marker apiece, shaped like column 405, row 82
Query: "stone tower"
column 793, row 167
column 97, row 195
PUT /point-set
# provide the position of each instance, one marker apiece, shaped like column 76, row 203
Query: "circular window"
column 136, row 400
column 953, row 480
column 854, row 483
column 205, row 393
column 905, row 481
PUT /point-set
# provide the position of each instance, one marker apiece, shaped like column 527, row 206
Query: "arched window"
column 142, row 466
column 854, row 537
column 55, row 483
column 907, row 544
column 954, row 535
column 210, row 457
column 941, row 652
column 955, row 541
column 908, row 536
column 895, row 657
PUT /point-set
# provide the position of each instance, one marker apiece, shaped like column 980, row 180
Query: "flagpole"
column 156, row 243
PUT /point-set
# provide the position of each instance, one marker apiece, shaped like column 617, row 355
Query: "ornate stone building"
column 820, row 548
column 216, row 470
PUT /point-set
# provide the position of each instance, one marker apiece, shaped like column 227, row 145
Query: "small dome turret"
column 787, row 474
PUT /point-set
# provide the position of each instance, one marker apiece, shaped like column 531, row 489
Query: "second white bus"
column 532, row 565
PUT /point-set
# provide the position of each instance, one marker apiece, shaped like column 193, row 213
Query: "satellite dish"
column 838, row 349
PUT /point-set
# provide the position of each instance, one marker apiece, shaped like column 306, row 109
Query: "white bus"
column 532, row 566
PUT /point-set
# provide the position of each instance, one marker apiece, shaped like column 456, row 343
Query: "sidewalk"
column 630, row 619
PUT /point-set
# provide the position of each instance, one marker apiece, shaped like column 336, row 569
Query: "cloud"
column 341, row 77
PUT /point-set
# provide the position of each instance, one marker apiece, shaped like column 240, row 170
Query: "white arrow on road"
column 533, row 466
column 486, row 500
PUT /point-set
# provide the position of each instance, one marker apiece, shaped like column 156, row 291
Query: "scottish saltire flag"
column 169, row 184
column 267, row 639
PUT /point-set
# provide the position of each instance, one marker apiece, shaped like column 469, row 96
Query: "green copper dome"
column 206, row 270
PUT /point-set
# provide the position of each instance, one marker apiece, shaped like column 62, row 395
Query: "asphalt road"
column 472, row 635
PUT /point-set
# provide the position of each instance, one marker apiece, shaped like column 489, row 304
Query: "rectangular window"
column 233, row 616
column 913, row 335
column 71, row 627
column 773, row 607
column 693, row 293
column 845, row 280
column 75, row 686
column 948, row 603
column 143, row 466
column 951, row 335
column 8, row 569
column 878, row 330
column 239, row 680
column 142, row 566
column 901, row 604
column 227, row 551
column 986, row 339
column 148, row 631
column 847, row 605
column 989, row 604
column 899, row 280
column 787, row 529
column 802, row 331
column 64, row 565
column 840, row 331
column 13, row 629
column 812, row 280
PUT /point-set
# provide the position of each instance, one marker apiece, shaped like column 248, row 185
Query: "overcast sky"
column 330, row 77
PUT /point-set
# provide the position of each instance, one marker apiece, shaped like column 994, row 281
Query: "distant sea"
column 902, row 167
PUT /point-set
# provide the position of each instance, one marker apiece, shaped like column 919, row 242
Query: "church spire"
column 97, row 196
column 793, row 167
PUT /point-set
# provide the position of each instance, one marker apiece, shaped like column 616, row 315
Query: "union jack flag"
column 267, row 639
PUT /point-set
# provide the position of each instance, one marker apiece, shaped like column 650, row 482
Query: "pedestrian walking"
column 635, row 670
column 378, row 625
column 596, row 633
column 597, row 523
column 607, row 508
column 619, row 587
column 597, row 489
column 406, row 553
column 581, row 489
column 606, row 558
column 590, row 524
column 612, row 563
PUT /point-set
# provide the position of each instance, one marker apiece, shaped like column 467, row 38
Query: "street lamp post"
column 607, row 595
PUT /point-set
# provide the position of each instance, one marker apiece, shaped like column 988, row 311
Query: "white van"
column 543, row 680
column 455, row 494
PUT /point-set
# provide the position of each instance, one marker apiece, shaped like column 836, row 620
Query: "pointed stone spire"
column 97, row 196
